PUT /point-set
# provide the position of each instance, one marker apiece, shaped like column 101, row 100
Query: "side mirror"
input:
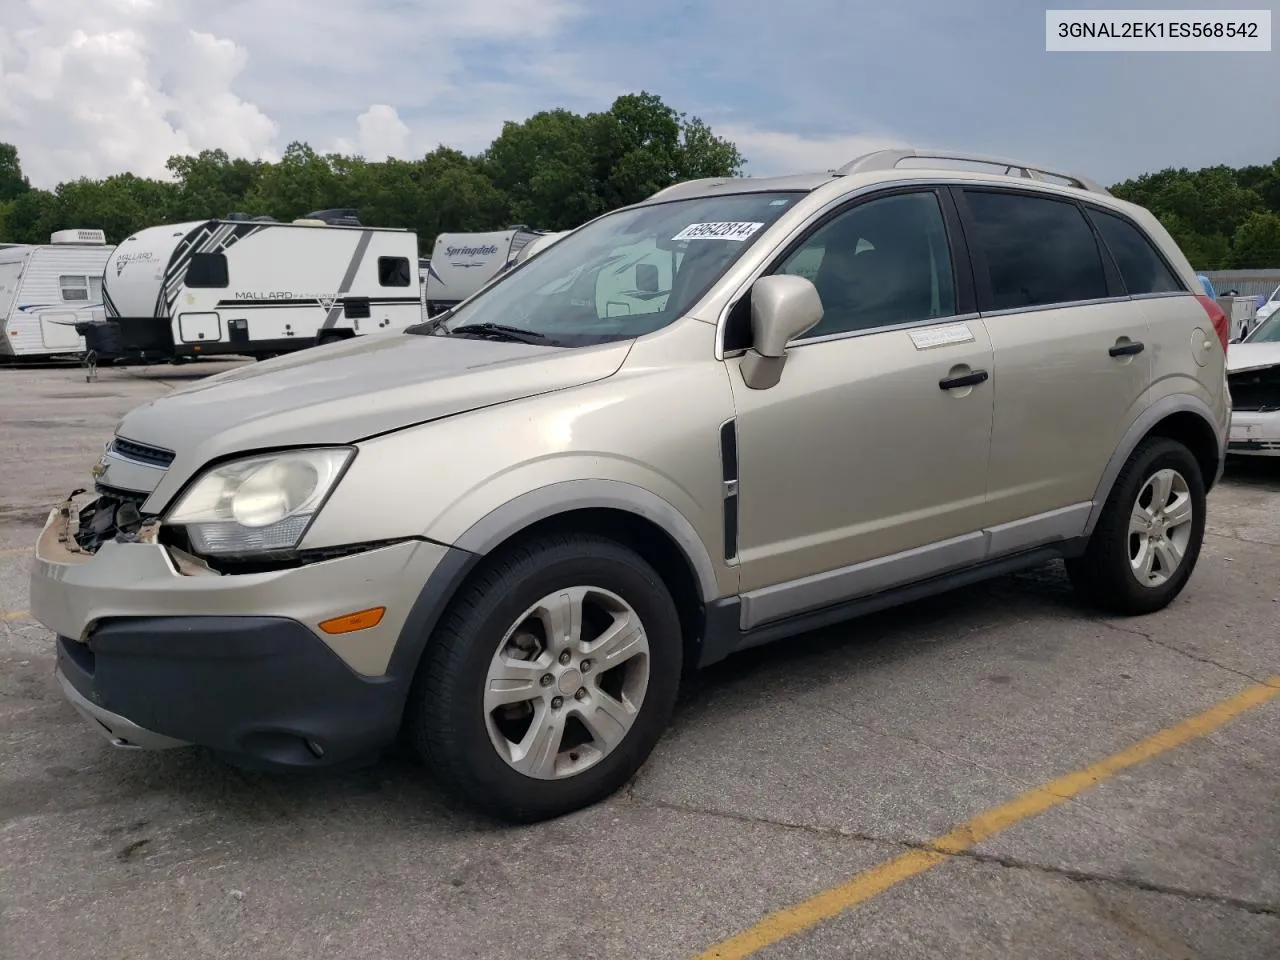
column 782, row 308
column 647, row 277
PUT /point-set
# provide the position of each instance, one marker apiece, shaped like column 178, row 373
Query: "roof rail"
column 687, row 186
column 890, row 159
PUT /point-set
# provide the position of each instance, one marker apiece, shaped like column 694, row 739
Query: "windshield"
column 624, row 275
column 1268, row 331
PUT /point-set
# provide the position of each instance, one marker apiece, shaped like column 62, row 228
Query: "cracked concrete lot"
column 788, row 771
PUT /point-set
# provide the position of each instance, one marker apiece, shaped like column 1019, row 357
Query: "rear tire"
column 501, row 640
column 1147, row 541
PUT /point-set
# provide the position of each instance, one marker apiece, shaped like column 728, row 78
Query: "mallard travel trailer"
column 256, row 287
column 46, row 289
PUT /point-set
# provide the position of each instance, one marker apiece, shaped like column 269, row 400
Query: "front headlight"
column 258, row 504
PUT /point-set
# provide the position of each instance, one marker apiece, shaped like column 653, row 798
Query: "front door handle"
column 964, row 380
column 1127, row 349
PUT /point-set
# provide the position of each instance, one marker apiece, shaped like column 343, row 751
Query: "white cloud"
column 96, row 87
column 381, row 134
column 775, row 152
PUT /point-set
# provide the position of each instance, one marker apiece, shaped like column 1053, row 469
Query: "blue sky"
column 805, row 88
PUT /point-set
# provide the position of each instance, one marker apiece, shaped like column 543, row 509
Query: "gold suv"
column 729, row 414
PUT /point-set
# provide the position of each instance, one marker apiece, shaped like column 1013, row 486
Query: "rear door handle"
column 964, row 380
column 1127, row 349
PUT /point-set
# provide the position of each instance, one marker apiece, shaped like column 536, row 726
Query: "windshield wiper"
column 500, row 331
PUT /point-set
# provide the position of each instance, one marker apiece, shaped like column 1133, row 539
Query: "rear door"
column 1071, row 353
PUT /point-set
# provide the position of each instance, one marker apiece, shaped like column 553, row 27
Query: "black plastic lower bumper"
column 262, row 691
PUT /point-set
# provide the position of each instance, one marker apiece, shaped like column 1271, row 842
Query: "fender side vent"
column 729, row 476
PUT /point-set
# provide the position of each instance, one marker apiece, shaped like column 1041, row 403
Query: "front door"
column 865, row 465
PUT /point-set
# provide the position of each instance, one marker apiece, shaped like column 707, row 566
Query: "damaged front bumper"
column 158, row 650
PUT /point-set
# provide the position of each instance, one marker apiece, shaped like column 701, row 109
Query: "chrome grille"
column 141, row 453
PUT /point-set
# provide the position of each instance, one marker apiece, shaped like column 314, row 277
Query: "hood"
column 345, row 392
column 1252, row 356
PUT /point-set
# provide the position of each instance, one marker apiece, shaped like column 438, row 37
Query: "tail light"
column 1221, row 322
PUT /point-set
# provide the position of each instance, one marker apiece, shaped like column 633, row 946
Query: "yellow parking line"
column 15, row 615
column 792, row 920
column 14, row 551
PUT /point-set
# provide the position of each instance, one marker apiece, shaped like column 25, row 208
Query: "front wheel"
column 1147, row 541
column 550, row 679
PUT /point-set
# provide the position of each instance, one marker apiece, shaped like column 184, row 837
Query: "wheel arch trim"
column 510, row 518
column 1137, row 432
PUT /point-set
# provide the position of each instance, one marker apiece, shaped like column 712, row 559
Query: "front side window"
column 624, row 275
column 1141, row 267
column 1039, row 251
column 207, row 270
column 74, row 288
column 881, row 263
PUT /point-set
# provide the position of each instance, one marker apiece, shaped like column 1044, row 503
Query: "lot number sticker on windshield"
column 724, row 230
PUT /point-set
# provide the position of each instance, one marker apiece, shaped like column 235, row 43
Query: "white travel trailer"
column 462, row 263
column 539, row 244
column 46, row 289
column 256, row 287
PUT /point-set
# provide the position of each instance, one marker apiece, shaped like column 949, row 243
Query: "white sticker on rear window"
column 724, row 230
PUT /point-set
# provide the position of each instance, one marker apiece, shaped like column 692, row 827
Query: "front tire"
column 550, row 679
column 1148, row 539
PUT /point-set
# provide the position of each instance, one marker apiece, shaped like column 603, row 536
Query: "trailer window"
column 207, row 270
column 95, row 289
column 393, row 271
column 73, row 288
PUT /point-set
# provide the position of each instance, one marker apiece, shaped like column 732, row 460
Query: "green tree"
column 119, row 205
column 31, row 217
column 1256, row 244
column 12, row 183
column 301, row 182
column 544, row 166
column 559, row 169
column 211, row 184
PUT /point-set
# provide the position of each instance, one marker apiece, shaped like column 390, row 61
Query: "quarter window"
column 74, row 288
column 393, row 271
column 1141, row 267
column 1038, row 251
column 878, row 264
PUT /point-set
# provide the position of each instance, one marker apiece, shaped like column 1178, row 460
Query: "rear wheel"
column 550, row 680
column 1148, row 539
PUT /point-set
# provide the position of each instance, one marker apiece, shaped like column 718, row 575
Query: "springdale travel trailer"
column 46, row 289
column 256, row 287
column 462, row 263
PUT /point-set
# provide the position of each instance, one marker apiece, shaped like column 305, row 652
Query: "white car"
column 1269, row 307
column 1253, row 374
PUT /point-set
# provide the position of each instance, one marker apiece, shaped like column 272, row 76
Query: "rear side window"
column 74, row 288
column 393, row 271
column 207, row 270
column 1038, row 251
column 1141, row 267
